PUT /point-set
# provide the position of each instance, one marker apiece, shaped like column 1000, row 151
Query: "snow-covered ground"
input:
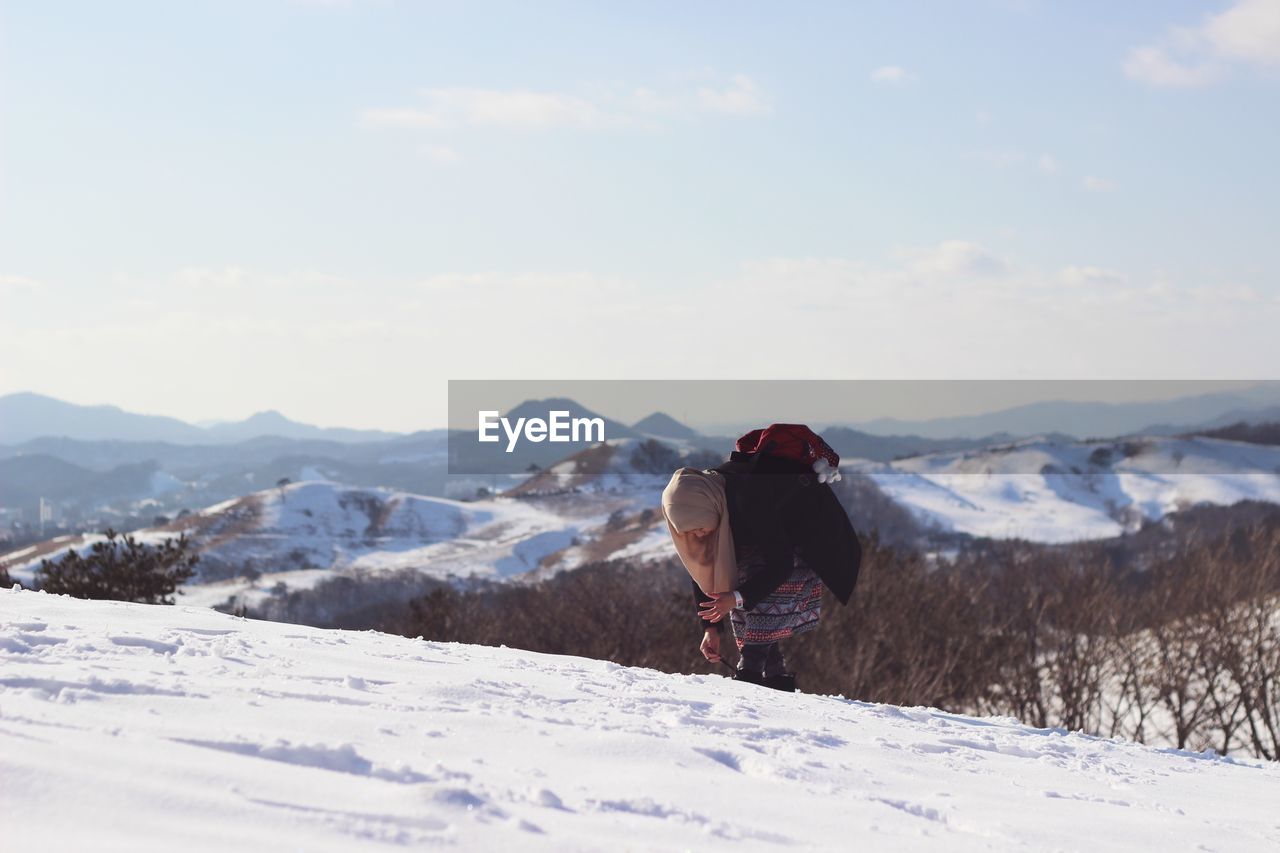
column 128, row 727
column 1062, row 492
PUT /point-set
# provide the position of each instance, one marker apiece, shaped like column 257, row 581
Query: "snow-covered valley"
column 601, row 504
column 133, row 727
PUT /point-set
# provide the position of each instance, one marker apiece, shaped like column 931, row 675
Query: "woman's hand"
column 710, row 647
column 718, row 607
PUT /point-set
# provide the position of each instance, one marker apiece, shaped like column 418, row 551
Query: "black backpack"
column 760, row 487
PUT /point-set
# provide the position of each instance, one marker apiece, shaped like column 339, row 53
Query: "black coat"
column 778, row 507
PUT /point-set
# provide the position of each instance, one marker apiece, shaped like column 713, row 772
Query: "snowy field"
column 1066, row 492
column 127, row 727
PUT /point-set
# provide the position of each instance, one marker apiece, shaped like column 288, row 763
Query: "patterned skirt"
column 793, row 608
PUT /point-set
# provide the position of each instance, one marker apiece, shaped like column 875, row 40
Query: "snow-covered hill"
column 1066, row 491
column 305, row 533
column 138, row 728
column 625, row 465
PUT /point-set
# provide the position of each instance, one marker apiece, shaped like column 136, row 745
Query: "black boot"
column 784, row 682
column 763, row 664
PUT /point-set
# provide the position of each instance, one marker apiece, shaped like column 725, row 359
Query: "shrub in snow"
column 653, row 457
column 121, row 569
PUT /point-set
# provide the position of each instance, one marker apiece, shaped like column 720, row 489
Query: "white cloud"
column 906, row 322
column 516, row 108
column 401, row 117
column 235, row 338
column 1086, row 275
column 16, row 283
column 1158, row 66
column 890, row 74
column 1246, row 34
column 441, row 155
column 1238, row 293
column 742, row 97
column 1013, row 158
column 953, row 258
column 214, row 280
column 1001, row 158
column 442, row 109
column 486, row 286
column 1045, row 163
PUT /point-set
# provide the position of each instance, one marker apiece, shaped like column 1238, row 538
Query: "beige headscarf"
column 695, row 499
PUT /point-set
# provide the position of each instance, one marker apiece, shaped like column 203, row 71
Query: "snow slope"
column 1061, row 492
column 138, row 728
column 304, row 533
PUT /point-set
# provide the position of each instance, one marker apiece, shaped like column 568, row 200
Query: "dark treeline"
column 1262, row 433
column 1182, row 650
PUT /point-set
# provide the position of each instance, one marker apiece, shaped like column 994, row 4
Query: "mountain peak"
column 540, row 409
column 662, row 425
column 267, row 416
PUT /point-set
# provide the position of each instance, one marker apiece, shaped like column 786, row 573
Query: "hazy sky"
column 329, row 208
column 720, row 406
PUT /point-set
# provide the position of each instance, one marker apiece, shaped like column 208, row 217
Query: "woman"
column 759, row 538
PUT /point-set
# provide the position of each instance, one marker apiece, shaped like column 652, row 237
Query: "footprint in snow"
column 722, row 757
column 144, row 643
column 340, row 759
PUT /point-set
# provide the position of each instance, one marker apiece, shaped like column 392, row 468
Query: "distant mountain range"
column 26, row 416
column 855, row 444
column 1098, row 420
column 100, row 462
